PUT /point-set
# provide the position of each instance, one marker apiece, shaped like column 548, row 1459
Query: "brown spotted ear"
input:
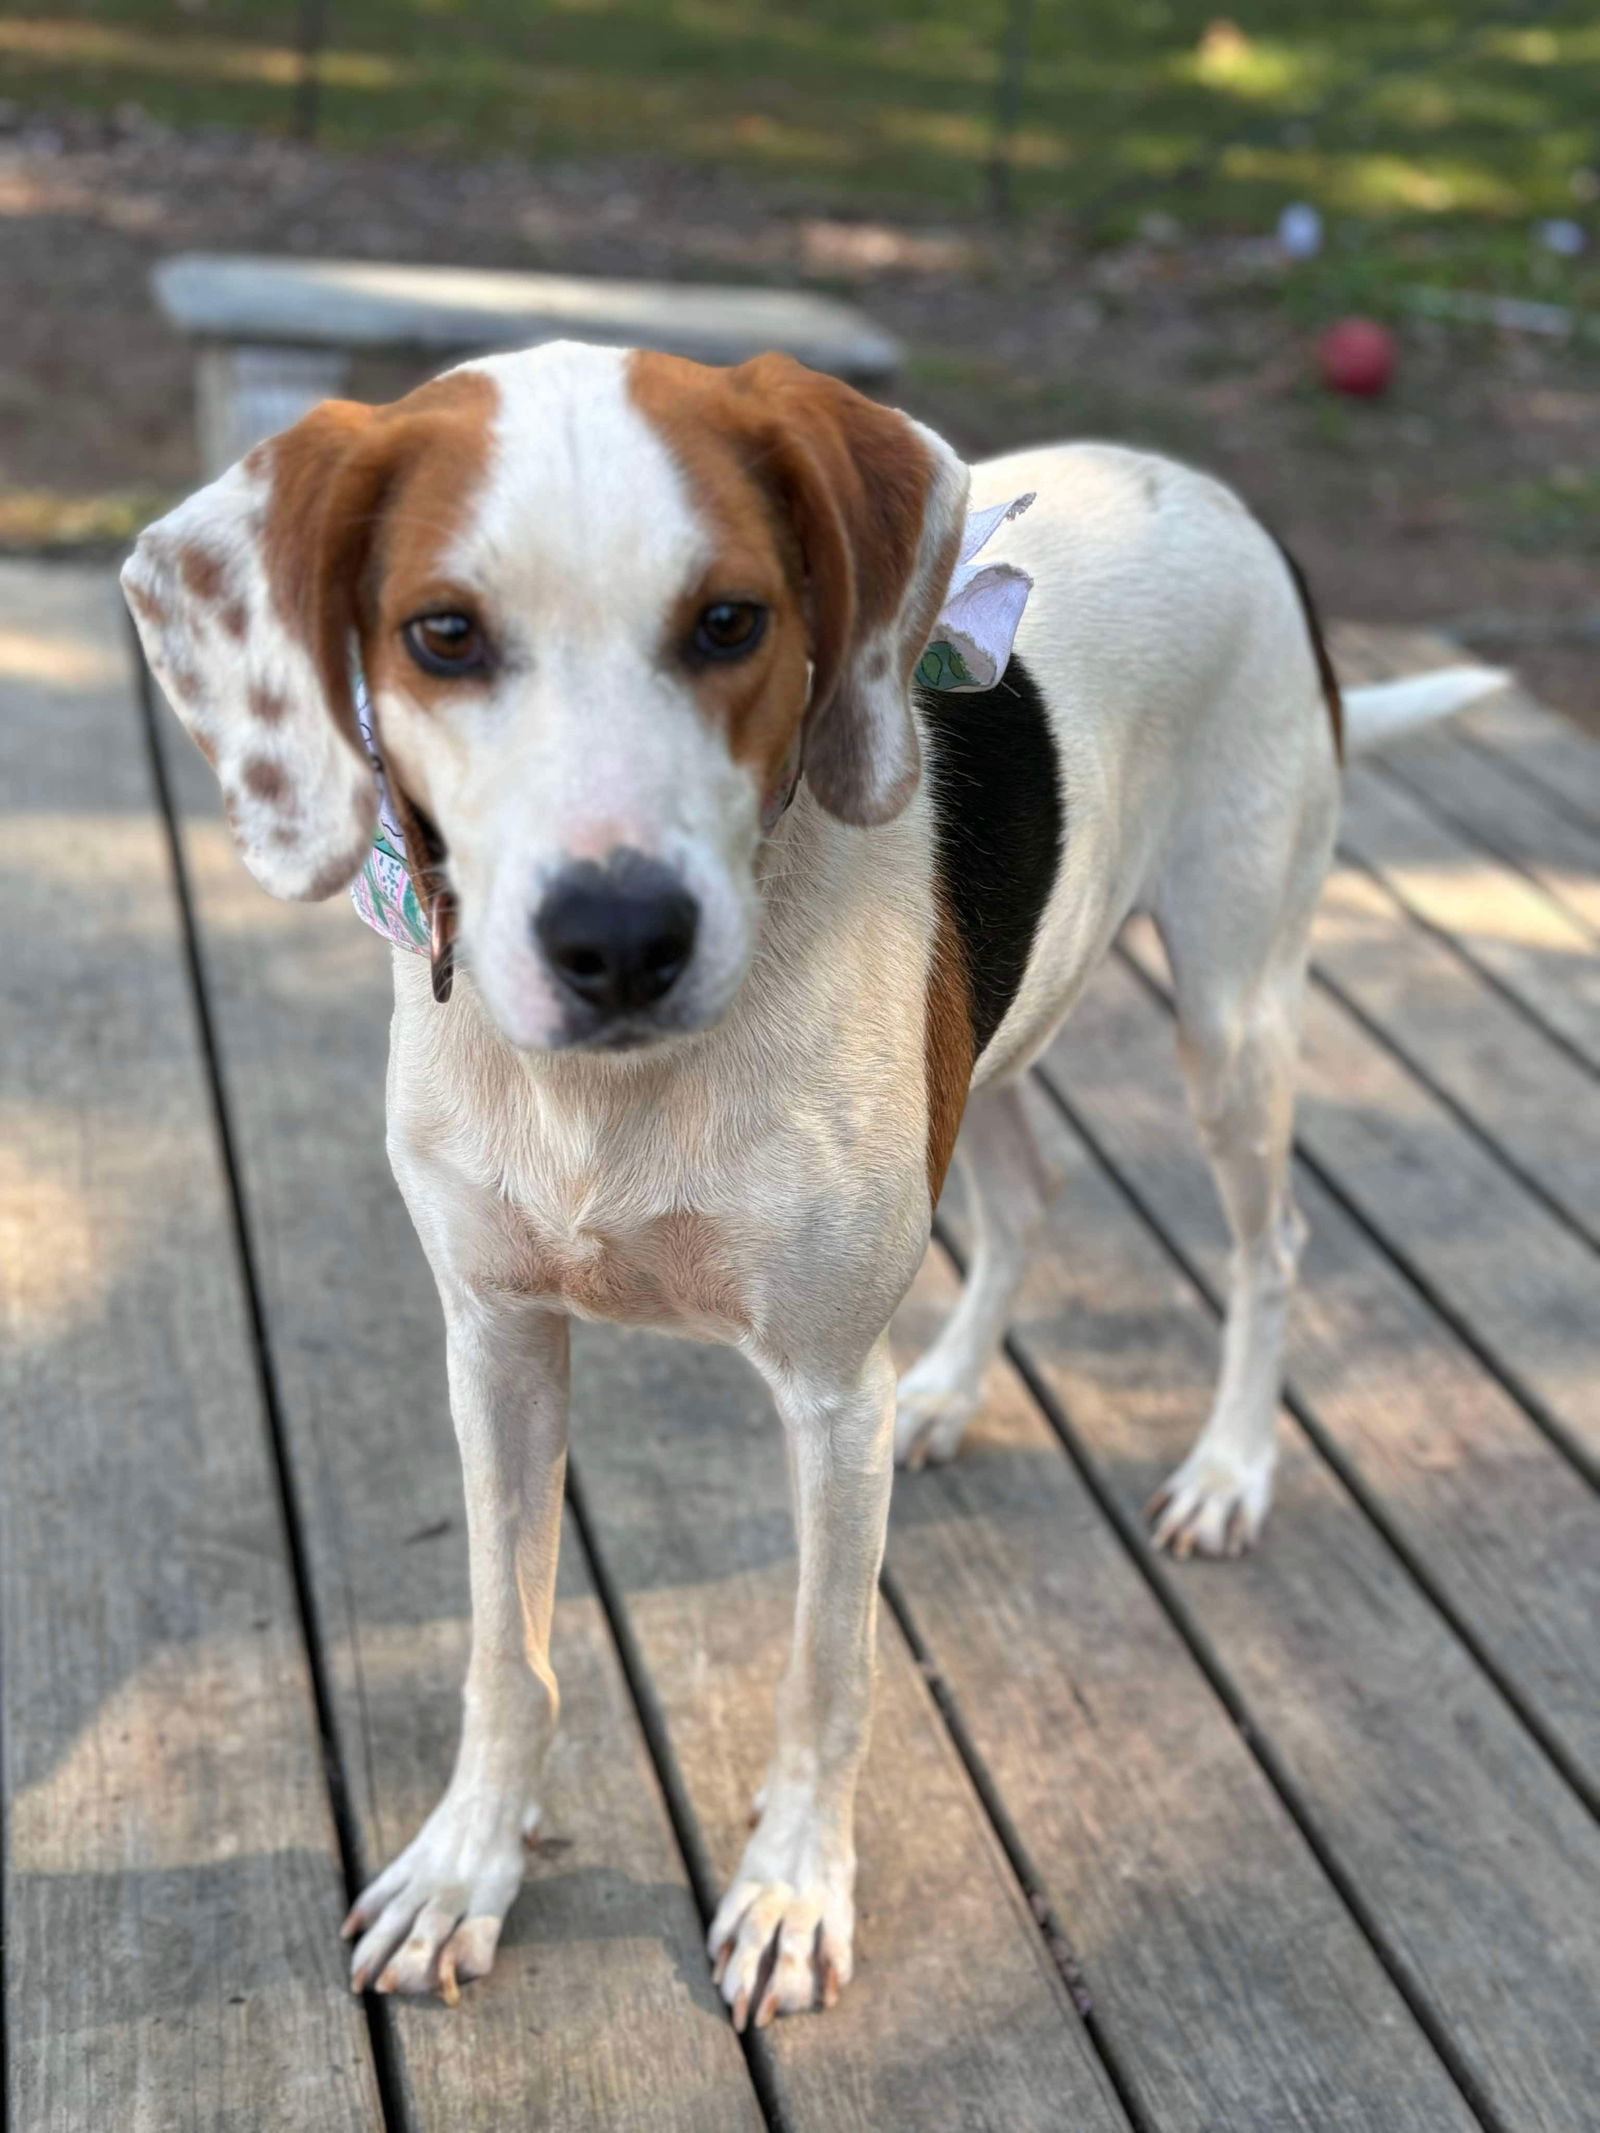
column 249, row 601
column 246, row 617
column 877, row 503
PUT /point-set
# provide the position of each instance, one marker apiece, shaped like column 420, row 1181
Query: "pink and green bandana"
column 971, row 643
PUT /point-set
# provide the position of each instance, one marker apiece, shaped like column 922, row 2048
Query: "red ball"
column 1357, row 356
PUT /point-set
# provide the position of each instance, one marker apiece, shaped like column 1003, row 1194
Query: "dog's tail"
column 1375, row 716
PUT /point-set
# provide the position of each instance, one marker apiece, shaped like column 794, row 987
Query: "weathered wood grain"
column 1542, row 749
column 172, row 1885
column 1537, row 1105
column 1495, row 1514
column 1509, row 927
column 956, row 2016
column 1226, row 1975
column 599, row 2012
column 1482, row 795
column 1477, row 1866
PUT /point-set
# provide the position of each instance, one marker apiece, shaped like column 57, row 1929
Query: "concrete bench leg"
column 244, row 394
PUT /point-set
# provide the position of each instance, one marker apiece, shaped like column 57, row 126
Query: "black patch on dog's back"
column 1331, row 694
column 996, row 788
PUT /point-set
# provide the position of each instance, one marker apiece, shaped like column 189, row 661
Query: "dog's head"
column 605, row 603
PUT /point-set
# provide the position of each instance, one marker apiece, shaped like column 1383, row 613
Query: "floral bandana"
column 969, row 649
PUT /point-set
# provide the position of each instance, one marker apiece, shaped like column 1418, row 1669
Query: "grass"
column 1413, row 113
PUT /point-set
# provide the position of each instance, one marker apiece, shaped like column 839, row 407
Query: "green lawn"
column 1388, row 110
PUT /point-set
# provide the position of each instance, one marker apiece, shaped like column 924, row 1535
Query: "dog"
column 748, row 925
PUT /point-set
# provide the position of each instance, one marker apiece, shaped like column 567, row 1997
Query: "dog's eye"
column 727, row 629
column 446, row 644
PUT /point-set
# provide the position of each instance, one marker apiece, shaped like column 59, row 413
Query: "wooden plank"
column 956, row 2016
column 1477, row 1867
column 1508, row 816
column 172, row 1885
column 1225, row 1973
column 1437, row 1442
column 599, row 2013
column 1542, row 749
column 1507, row 926
column 1536, row 1104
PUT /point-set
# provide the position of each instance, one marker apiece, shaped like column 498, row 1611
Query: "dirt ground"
column 1467, row 498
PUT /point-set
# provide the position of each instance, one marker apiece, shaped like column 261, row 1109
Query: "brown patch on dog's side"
column 947, row 1045
column 804, row 480
column 235, row 619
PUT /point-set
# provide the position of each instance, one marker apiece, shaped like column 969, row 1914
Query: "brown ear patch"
column 407, row 484
column 839, row 491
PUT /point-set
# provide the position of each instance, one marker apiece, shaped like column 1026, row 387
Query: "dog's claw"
column 1212, row 1506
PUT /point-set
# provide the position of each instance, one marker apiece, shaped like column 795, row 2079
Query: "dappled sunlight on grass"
column 1385, row 109
column 206, row 58
column 1377, row 183
column 1260, row 70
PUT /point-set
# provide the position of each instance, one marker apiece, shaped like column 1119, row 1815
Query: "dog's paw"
column 1212, row 1505
column 781, row 1940
column 777, row 1949
column 930, row 1420
column 431, row 1921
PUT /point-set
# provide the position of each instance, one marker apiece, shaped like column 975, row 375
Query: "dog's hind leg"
column 1238, row 949
column 1010, row 1187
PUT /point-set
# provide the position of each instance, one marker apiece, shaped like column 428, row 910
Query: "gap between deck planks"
column 1524, row 942
column 1549, row 754
column 171, row 1879
column 1438, row 1447
column 1227, row 1977
column 961, row 2012
column 1474, row 791
column 1467, row 1855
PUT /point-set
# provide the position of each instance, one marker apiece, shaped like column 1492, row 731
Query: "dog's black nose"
column 617, row 936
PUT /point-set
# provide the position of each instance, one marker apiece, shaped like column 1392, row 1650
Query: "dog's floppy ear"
column 250, row 600
column 877, row 503
column 245, row 601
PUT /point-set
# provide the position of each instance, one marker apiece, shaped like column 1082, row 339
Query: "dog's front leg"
column 781, row 1939
column 434, row 1916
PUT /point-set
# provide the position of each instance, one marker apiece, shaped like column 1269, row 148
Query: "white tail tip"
column 1379, row 714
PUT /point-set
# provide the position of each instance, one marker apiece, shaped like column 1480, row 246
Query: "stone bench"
column 275, row 336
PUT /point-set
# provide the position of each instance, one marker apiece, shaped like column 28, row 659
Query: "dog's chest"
column 609, row 1220
column 675, row 1271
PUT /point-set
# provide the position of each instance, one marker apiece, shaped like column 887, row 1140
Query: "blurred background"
column 1127, row 218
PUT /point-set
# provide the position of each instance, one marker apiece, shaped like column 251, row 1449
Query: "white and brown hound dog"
column 707, row 1065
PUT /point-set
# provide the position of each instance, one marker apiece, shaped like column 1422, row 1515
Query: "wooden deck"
column 1307, row 1842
